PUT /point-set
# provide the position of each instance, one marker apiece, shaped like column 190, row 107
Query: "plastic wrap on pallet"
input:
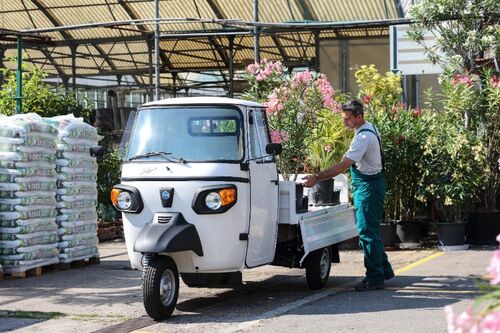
column 28, row 229
column 76, row 188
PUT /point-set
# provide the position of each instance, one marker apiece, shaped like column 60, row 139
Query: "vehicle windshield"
column 193, row 134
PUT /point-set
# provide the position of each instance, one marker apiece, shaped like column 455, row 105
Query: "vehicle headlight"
column 214, row 199
column 126, row 199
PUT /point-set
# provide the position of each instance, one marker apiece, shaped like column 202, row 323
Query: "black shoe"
column 366, row 286
column 388, row 276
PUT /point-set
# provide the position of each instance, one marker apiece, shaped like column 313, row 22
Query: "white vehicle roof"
column 202, row 101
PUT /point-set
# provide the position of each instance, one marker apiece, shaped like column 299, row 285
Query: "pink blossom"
column 490, row 323
column 279, row 136
column 494, row 268
column 495, row 81
column 416, row 113
column 366, row 99
column 301, row 78
column 253, row 68
column 327, row 148
column 462, row 323
column 461, row 79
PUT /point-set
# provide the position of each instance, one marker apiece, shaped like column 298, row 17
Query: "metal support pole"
column 417, row 91
column 344, row 65
column 150, row 70
column 256, row 46
column 174, row 83
column 157, row 50
column 316, row 51
column 19, row 76
column 231, row 66
column 2, row 55
column 73, row 67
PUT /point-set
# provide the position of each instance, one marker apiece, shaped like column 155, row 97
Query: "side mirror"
column 274, row 148
column 97, row 151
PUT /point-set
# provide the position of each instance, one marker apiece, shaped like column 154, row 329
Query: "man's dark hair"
column 353, row 106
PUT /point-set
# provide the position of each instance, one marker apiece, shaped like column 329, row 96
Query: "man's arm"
column 331, row 172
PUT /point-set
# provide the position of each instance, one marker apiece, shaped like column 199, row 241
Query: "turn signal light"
column 114, row 196
column 228, row 196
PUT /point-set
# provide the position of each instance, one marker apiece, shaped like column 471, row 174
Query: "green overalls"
column 369, row 192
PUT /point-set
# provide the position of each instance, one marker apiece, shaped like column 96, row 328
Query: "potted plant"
column 465, row 40
column 403, row 132
column 333, row 140
column 454, row 173
column 294, row 108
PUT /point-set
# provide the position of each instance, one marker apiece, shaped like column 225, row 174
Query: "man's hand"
column 310, row 180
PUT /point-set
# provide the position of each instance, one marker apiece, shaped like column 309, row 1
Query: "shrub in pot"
column 403, row 132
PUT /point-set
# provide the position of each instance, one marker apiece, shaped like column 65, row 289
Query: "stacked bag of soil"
column 28, row 229
column 76, row 188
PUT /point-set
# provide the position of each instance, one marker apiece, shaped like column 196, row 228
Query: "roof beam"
column 66, row 35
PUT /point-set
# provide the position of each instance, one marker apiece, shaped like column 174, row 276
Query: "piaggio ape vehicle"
column 201, row 198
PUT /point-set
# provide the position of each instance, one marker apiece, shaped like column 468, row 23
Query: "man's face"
column 350, row 120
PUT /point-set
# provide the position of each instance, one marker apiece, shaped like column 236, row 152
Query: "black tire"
column 318, row 268
column 160, row 287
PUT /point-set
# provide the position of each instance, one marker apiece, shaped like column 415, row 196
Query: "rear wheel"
column 318, row 268
column 160, row 287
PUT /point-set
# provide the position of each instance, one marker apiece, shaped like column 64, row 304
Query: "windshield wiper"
column 158, row 153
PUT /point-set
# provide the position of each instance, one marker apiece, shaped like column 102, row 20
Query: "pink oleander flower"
column 495, row 81
column 279, row 136
column 416, row 113
column 490, row 323
column 461, row 323
column 301, row 78
column 253, row 68
column 365, row 100
column 494, row 268
column 327, row 148
column 461, row 79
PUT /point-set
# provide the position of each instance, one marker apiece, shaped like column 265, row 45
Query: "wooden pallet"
column 24, row 272
column 79, row 263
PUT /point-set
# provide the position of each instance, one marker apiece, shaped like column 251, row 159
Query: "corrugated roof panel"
column 341, row 10
column 176, row 9
column 24, row 21
column 90, row 14
column 279, row 11
column 237, row 9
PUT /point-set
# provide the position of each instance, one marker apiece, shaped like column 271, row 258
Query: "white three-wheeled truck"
column 200, row 196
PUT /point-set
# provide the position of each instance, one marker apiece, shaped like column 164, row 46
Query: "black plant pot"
column 388, row 234
column 321, row 193
column 408, row 233
column 451, row 236
column 483, row 227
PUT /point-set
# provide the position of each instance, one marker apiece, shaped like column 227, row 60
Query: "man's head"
column 352, row 114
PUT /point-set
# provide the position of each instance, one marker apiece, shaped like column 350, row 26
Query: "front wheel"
column 318, row 268
column 160, row 287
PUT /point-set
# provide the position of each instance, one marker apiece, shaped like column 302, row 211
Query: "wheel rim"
column 324, row 264
column 167, row 287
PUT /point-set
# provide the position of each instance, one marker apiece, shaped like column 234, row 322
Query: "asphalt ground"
column 107, row 297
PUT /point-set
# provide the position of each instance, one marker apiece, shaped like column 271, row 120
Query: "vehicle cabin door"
column 263, row 224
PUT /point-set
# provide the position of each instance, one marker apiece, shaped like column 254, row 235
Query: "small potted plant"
column 333, row 141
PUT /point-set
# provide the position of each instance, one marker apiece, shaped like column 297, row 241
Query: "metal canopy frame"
column 124, row 45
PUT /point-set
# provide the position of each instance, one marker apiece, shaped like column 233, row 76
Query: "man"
column 364, row 158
